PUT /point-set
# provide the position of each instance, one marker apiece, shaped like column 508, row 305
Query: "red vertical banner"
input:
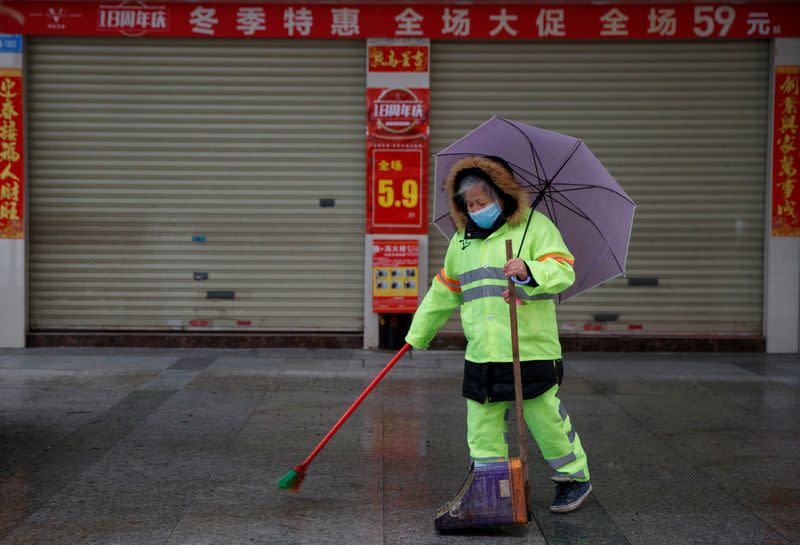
column 12, row 185
column 786, row 153
column 397, row 136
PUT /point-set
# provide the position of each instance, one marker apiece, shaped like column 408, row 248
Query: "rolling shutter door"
column 681, row 125
column 141, row 149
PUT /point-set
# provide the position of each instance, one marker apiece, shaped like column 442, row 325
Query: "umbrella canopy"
column 566, row 182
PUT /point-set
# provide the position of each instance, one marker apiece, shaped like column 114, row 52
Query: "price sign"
column 397, row 194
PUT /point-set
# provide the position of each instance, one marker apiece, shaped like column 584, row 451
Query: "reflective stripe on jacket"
column 472, row 277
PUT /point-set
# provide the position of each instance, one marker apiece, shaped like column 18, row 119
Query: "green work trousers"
column 548, row 421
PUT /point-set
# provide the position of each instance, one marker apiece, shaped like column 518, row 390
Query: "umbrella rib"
column 538, row 187
column 575, row 149
column 577, row 211
column 516, row 168
column 551, row 212
column 534, row 153
column 440, row 217
column 576, row 186
column 580, row 187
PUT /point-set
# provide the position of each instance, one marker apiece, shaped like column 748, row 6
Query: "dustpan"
column 495, row 492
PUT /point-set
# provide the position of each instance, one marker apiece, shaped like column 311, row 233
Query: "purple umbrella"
column 566, row 182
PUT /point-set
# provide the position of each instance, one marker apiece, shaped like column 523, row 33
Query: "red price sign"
column 397, row 192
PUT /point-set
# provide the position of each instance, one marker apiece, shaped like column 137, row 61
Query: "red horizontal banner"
column 457, row 21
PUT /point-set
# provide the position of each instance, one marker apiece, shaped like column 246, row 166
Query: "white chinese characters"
column 251, row 20
column 409, row 23
column 550, row 22
column 203, row 20
column 662, row 21
column 344, row 22
column 503, row 20
column 615, row 23
column 455, row 22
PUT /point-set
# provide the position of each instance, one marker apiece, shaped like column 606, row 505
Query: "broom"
column 294, row 477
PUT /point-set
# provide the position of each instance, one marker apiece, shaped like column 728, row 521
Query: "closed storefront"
column 682, row 126
column 260, row 168
column 179, row 183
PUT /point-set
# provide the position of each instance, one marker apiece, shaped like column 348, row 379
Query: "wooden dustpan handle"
column 512, row 306
column 523, row 449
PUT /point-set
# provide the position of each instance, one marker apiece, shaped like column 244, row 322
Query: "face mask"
column 486, row 216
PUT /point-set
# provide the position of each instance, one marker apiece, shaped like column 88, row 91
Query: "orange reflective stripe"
column 444, row 277
column 447, row 285
column 557, row 257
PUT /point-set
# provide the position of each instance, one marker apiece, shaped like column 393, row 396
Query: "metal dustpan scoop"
column 495, row 493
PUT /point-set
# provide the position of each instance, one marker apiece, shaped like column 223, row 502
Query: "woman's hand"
column 517, row 300
column 516, row 266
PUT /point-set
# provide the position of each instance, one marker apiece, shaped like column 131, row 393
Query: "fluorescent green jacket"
column 472, row 277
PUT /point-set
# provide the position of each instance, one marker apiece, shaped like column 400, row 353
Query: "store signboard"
column 441, row 21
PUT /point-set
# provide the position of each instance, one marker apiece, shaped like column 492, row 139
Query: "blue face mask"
column 486, row 216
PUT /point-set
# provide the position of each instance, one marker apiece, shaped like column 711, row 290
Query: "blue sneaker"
column 570, row 496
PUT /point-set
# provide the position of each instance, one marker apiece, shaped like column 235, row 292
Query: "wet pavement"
column 149, row 446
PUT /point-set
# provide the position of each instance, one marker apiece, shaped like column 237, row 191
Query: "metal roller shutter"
column 681, row 125
column 137, row 147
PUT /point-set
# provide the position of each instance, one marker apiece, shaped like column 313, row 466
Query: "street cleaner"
column 488, row 207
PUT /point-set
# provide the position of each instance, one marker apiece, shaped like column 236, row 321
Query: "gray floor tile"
column 186, row 446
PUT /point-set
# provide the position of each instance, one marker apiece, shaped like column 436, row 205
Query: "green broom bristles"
column 292, row 480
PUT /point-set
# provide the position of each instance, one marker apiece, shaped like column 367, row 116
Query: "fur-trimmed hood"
column 514, row 198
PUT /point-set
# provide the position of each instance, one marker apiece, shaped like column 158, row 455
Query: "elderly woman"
column 488, row 207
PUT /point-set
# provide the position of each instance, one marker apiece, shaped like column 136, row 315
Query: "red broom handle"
column 355, row 405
